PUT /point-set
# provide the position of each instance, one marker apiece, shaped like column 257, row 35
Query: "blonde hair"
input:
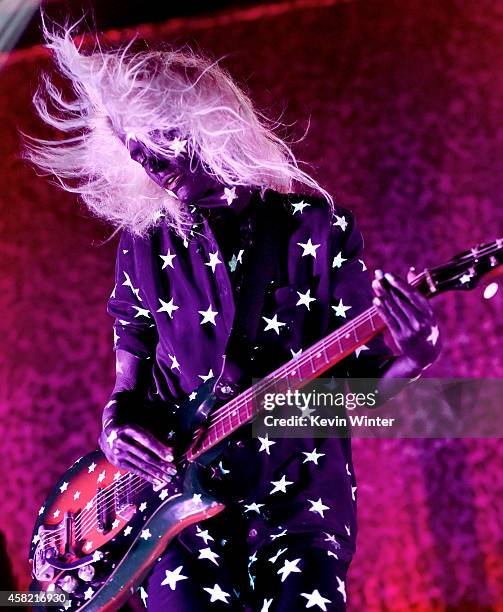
column 146, row 93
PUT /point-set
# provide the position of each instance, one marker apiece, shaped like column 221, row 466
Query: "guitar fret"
column 310, row 355
column 327, row 360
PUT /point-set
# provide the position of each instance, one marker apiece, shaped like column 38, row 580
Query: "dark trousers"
column 287, row 574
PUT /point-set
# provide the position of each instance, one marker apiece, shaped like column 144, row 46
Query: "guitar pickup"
column 105, row 512
column 123, row 500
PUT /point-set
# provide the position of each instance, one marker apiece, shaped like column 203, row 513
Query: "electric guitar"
column 101, row 528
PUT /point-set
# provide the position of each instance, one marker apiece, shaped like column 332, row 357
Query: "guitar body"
column 101, row 528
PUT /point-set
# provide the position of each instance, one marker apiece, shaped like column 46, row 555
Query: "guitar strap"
column 259, row 270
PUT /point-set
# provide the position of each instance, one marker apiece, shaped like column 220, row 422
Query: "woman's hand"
column 132, row 448
column 409, row 318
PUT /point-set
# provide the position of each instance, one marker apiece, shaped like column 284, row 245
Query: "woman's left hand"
column 409, row 317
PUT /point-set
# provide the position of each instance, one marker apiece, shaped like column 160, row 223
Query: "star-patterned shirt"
column 174, row 303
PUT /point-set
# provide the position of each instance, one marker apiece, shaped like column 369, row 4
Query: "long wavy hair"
column 145, row 94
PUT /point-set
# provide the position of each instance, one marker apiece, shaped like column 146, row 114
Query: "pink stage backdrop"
column 405, row 103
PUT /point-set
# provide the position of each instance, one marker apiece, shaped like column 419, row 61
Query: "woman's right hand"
column 133, row 448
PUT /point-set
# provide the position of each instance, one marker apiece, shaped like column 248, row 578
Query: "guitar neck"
column 294, row 374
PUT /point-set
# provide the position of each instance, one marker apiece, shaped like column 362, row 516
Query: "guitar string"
column 225, row 411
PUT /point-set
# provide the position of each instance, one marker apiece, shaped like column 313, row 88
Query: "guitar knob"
column 86, row 572
column 68, row 583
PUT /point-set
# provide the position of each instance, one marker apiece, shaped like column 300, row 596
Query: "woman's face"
column 173, row 172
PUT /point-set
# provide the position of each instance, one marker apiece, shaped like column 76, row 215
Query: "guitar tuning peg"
column 411, row 274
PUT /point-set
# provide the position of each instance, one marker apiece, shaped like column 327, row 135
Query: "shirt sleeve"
column 134, row 326
column 351, row 294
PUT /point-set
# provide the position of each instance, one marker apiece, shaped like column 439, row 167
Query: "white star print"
column 145, row 534
column 89, row 505
column 76, row 495
column 229, row 195
column 97, row 556
column 361, row 348
column 89, row 593
column 36, row 538
column 88, row 545
column 172, row 577
column 364, row 267
column 338, row 260
column 142, row 507
column 253, row 507
column 265, row 443
column 348, row 529
column 347, row 470
column 288, row 568
column 315, row 599
column 309, row 248
column 128, row 530
column 341, row 222
column 206, row 377
column 56, row 513
column 273, row 324
column 141, row 312
column 305, row 299
column 41, row 510
column 353, row 491
column 318, row 506
column 101, row 476
column 203, row 533
column 167, row 259
column 299, row 206
column 217, row 594
column 295, row 354
column 207, row 553
column 332, row 539
column 275, row 536
column 313, row 456
column 63, row 487
column 174, row 362
column 143, row 596
column 340, row 309
column 433, row 337
column 280, row 552
column 213, row 262
column 115, row 524
column 208, row 315
column 168, row 307
column 280, row 485
column 341, row 587
column 163, row 494
column 177, row 145
column 266, row 605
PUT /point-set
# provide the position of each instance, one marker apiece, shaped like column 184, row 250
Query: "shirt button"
column 252, row 533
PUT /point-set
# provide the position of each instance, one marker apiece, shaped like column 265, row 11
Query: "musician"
column 167, row 147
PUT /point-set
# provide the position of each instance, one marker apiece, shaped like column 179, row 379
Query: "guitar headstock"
column 464, row 271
